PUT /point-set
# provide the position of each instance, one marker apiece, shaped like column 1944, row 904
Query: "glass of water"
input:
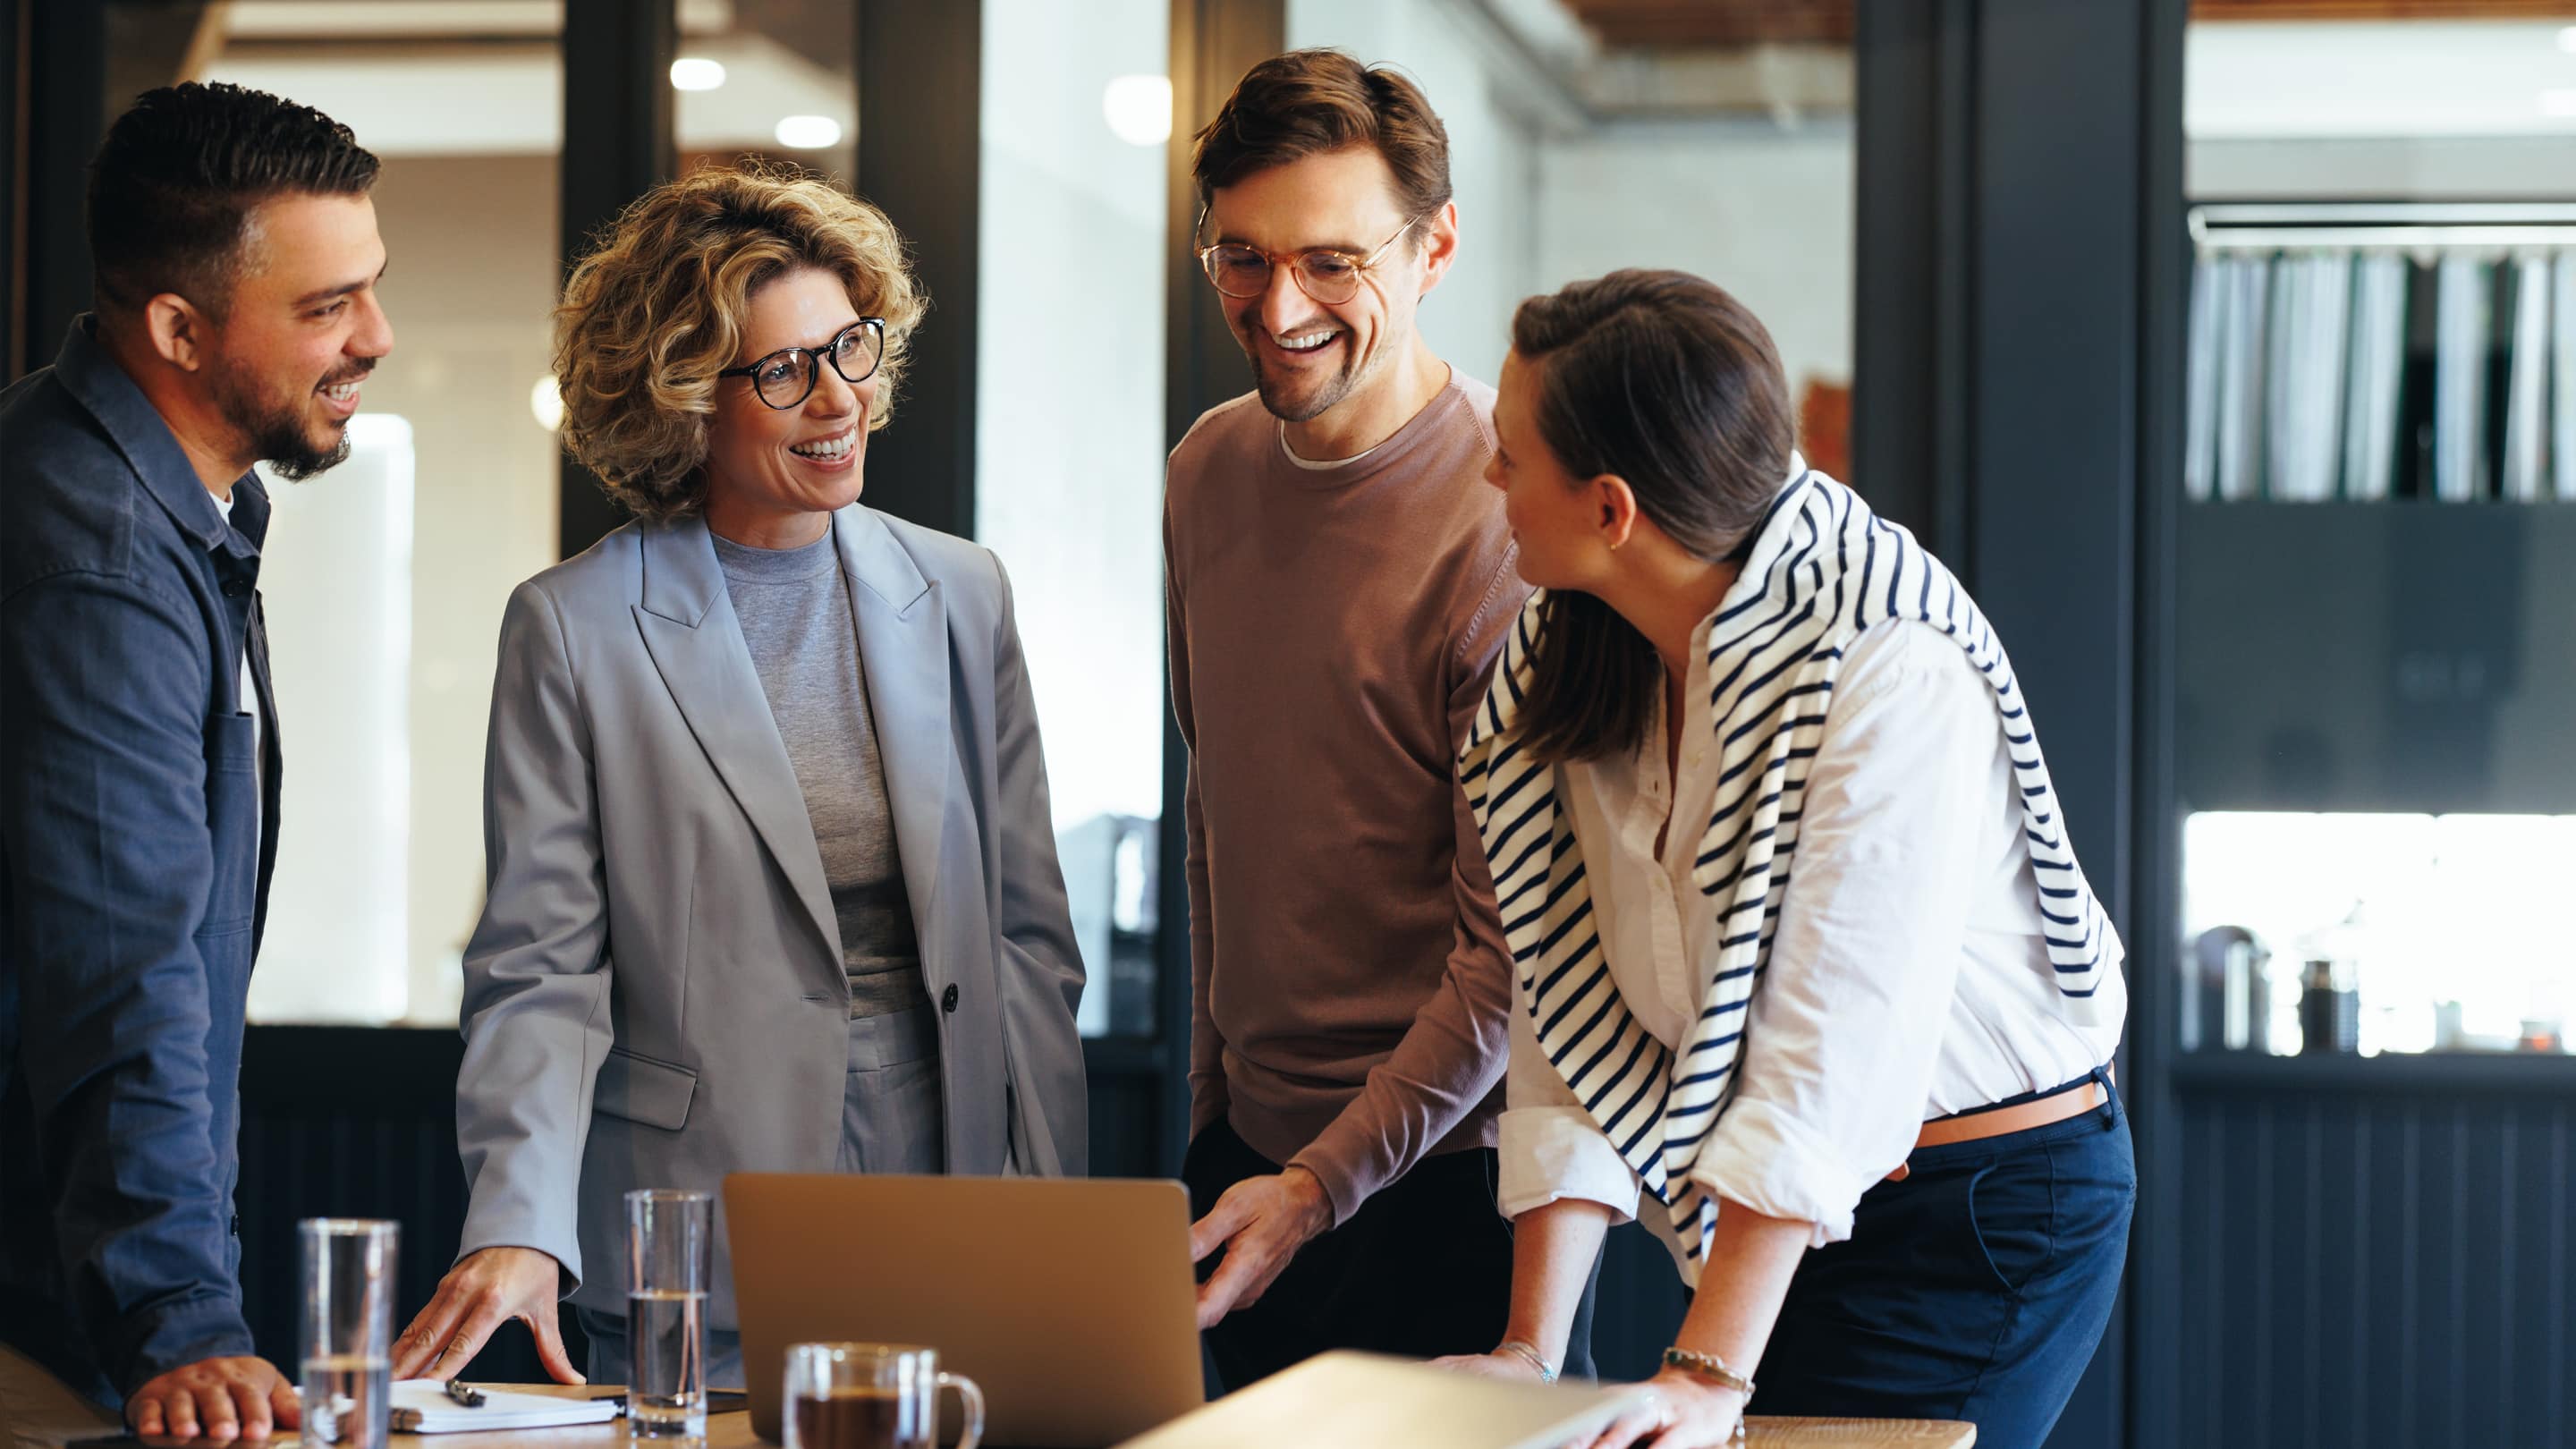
column 666, row 1312
column 346, row 1384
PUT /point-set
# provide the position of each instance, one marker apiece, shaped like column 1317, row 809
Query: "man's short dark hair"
column 1310, row 102
column 173, row 186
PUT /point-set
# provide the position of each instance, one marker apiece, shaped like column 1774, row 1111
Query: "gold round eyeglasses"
column 1329, row 276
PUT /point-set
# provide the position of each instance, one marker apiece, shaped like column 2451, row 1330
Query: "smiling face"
column 774, row 475
column 1309, row 358
column 300, row 332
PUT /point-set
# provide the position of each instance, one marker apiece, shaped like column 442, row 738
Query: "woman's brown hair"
column 656, row 311
column 1670, row 383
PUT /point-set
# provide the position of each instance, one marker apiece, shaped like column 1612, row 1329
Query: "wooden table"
column 733, row 1431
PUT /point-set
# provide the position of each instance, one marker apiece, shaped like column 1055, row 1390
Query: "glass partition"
column 1077, row 111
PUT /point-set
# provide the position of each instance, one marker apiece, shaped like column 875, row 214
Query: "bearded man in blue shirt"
column 236, row 258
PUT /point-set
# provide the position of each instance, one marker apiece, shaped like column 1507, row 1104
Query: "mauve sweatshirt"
column 1333, row 626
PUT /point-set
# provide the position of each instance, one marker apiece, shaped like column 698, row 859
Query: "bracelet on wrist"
column 1522, row 1348
column 1708, row 1366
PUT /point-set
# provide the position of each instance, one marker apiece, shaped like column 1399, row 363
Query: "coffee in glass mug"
column 872, row 1396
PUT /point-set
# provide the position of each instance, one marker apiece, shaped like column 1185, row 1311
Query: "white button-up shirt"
column 1908, row 977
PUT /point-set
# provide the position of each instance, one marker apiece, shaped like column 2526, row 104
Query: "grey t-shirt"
column 796, row 613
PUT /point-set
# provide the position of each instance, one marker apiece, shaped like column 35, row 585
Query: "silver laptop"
column 1365, row 1401
column 1071, row 1301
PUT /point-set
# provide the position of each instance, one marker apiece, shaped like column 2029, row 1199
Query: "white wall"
column 335, row 587
column 1762, row 212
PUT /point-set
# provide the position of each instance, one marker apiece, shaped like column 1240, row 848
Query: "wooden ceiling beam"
column 2384, row 10
column 1663, row 24
column 1737, row 24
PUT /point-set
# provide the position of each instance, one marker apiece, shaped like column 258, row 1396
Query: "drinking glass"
column 872, row 1396
column 666, row 1312
column 345, row 1384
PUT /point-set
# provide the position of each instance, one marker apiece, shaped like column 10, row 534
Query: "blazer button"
column 948, row 998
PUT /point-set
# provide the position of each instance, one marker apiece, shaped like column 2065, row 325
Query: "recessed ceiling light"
column 809, row 133
column 2567, row 39
column 2558, row 103
column 545, row 400
column 696, row 73
column 1139, row 109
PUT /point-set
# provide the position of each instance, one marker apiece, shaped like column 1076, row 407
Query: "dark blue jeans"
column 1975, row 1289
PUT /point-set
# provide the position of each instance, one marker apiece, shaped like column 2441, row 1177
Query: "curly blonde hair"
column 656, row 310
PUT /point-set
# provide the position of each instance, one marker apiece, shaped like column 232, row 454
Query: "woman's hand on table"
column 483, row 1291
column 1497, row 1365
column 1680, row 1412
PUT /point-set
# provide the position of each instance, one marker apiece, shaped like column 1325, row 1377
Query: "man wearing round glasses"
column 1339, row 585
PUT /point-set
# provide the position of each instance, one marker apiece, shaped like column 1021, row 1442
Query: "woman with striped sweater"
column 1808, row 976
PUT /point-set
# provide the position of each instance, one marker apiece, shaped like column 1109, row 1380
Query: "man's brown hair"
column 1310, row 102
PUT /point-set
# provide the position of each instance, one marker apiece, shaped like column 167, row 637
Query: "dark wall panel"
column 2376, row 1268
column 66, row 77
column 2018, row 177
column 920, row 158
column 13, row 180
column 618, row 144
column 356, row 1122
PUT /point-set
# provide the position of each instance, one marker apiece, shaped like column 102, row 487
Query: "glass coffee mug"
column 872, row 1396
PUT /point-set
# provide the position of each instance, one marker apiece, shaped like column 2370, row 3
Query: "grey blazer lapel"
column 903, row 647
column 689, row 628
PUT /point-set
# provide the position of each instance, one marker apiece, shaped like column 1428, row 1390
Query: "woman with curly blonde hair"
column 773, row 883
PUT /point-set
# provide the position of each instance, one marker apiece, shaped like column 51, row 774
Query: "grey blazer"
column 654, row 996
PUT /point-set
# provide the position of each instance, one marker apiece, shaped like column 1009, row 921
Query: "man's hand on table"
column 483, row 1291
column 1261, row 1222
column 216, row 1400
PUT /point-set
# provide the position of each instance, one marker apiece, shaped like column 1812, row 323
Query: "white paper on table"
column 421, row 1406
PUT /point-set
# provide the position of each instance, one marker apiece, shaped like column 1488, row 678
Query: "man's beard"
column 1275, row 398
column 276, row 428
column 1328, row 391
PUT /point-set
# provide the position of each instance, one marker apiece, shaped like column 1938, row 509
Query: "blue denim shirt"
column 136, row 835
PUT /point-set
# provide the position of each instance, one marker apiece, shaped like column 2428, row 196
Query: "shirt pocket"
column 232, row 821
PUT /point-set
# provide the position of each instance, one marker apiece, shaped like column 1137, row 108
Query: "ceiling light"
column 1139, row 108
column 809, row 133
column 2558, row 103
column 545, row 399
column 2567, row 39
column 696, row 73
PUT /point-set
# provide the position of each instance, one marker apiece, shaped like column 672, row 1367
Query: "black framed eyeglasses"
column 1331, row 277
column 785, row 378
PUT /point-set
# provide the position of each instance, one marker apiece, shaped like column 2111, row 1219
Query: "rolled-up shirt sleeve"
column 1551, row 1148
column 1843, row 1035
